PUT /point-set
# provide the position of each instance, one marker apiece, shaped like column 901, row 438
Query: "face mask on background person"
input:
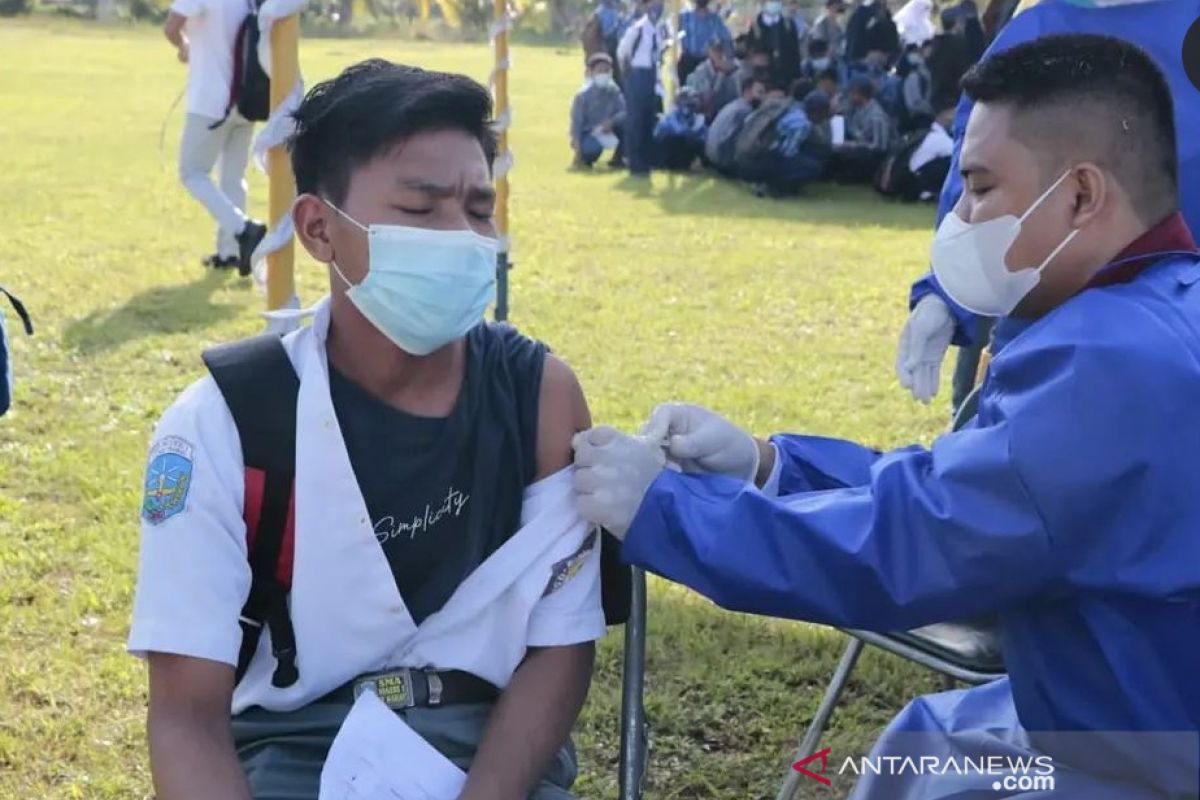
column 821, row 64
column 424, row 288
column 773, row 7
column 602, row 79
column 968, row 259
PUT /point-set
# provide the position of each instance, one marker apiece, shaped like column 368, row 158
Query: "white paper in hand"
column 837, row 127
column 376, row 756
column 608, row 141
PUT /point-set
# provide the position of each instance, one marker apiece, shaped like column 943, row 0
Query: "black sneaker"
column 247, row 240
column 220, row 262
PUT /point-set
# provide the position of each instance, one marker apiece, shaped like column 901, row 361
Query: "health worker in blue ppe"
column 1068, row 506
column 1157, row 26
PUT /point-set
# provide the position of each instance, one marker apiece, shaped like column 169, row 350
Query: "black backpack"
column 894, row 178
column 261, row 388
column 250, row 89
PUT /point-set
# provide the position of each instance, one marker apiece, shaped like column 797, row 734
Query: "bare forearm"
column 194, row 761
column 530, row 722
column 174, row 36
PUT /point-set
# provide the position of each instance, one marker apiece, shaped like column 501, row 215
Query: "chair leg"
column 633, row 684
column 841, row 676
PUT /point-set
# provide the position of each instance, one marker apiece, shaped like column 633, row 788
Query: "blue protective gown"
column 1158, row 27
column 1070, row 507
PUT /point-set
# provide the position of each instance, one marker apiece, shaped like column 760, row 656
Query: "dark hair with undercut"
column 1095, row 98
column 370, row 108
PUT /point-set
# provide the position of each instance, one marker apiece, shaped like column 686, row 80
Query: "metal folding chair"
column 964, row 651
column 634, row 738
column 623, row 592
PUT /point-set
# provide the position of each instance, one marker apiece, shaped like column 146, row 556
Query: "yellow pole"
column 500, row 82
column 285, row 71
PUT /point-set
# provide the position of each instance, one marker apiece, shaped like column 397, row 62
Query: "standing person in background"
column 881, row 33
column 973, row 34
column 715, row 81
column 856, row 29
column 701, row 27
column 917, row 88
column 828, row 28
column 203, row 33
column 597, row 116
column 776, row 33
column 602, row 32
column 640, row 53
column 948, row 58
column 795, row 12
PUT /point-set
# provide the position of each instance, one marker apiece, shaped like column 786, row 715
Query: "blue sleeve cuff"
column 965, row 323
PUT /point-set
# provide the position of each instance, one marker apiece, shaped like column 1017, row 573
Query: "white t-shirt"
column 212, row 27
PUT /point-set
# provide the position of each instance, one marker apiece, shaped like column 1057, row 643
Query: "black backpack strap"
column 19, row 307
column 261, row 387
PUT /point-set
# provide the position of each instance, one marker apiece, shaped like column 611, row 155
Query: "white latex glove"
column 699, row 440
column 612, row 473
column 923, row 345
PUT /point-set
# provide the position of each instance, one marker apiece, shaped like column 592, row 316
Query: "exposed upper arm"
column 174, row 24
column 562, row 412
column 193, row 689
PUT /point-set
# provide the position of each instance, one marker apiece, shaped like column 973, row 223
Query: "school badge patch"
column 569, row 567
column 168, row 478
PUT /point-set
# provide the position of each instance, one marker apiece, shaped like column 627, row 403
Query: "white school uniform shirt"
column 211, row 29
column 937, row 144
column 649, row 48
column 541, row 588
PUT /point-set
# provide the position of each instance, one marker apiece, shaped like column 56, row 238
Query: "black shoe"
column 220, row 262
column 247, row 240
column 616, row 163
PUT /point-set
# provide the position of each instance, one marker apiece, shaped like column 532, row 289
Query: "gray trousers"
column 283, row 753
column 228, row 147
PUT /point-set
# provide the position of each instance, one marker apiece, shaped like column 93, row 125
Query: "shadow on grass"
column 162, row 310
column 701, row 193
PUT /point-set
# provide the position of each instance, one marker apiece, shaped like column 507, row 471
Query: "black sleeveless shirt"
column 445, row 493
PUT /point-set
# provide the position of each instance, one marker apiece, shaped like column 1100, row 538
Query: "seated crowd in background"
column 788, row 102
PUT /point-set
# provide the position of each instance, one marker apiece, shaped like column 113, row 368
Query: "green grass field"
column 782, row 314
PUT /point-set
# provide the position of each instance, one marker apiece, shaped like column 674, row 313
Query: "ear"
column 1092, row 187
column 311, row 216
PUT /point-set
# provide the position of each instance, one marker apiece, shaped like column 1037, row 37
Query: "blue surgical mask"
column 821, row 64
column 424, row 288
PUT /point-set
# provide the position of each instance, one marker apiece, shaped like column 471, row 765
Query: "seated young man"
column 869, row 135
column 598, row 115
column 721, row 140
column 679, row 134
column 715, row 81
column 434, row 542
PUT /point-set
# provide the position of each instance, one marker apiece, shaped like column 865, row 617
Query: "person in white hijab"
column 914, row 23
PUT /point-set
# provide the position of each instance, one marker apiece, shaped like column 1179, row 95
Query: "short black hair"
column 749, row 81
column 818, row 48
column 800, row 88
column 1088, row 97
column 830, row 75
column 371, row 107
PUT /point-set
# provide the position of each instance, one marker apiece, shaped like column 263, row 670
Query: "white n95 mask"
column 424, row 288
column 968, row 259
